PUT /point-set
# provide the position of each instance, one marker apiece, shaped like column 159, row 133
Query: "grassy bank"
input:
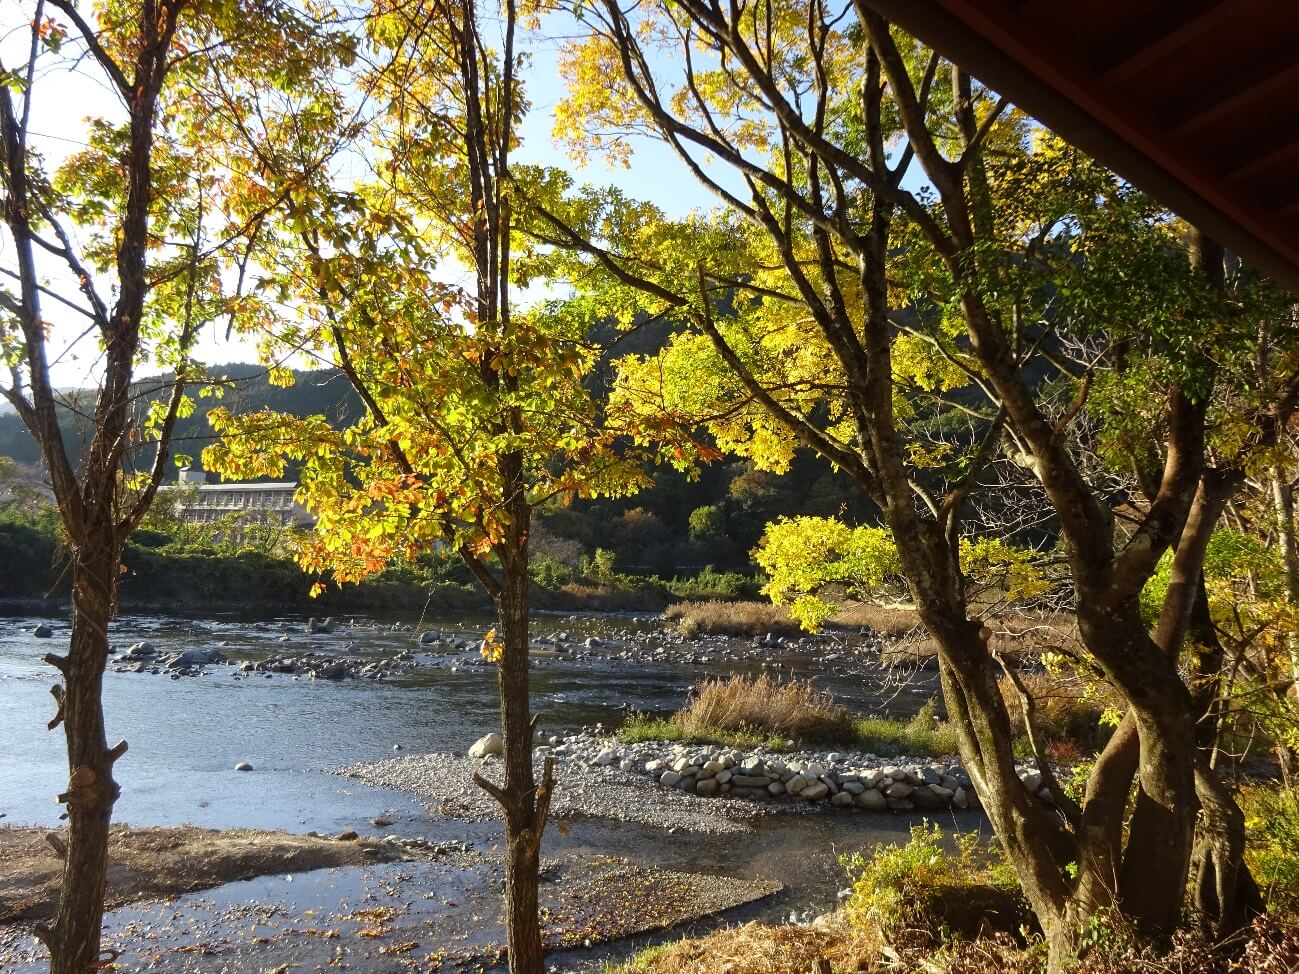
column 746, row 713
column 883, row 736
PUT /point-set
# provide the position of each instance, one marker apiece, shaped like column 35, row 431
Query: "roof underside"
column 1195, row 101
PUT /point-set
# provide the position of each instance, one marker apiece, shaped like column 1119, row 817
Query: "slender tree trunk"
column 522, row 831
column 525, row 804
column 1283, row 506
column 74, row 938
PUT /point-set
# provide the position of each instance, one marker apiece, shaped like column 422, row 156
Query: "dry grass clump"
column 892, row 622
column 1020, row 638
column 1066, row 706
column 760, row 948
column 760, row 618
column 794, row 709
column 732, row 618
column 757, row 948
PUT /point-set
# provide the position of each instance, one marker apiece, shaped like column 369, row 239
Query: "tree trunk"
column 522, row 831
column 74, row 937
column 1283, row 504
column 524, row 803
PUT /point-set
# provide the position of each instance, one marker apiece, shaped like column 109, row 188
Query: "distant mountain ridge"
column 247, row 389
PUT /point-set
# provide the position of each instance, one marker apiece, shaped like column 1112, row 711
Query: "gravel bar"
column 446, row 782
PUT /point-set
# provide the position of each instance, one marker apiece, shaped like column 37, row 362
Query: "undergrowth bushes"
column 951, row 905
column 1272, row 846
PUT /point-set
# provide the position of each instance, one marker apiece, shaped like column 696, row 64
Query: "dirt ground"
column 155, row 863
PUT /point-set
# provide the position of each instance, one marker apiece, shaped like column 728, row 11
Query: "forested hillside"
column 679, row 525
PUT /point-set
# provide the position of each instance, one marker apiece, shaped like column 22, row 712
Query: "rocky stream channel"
column 366, row 725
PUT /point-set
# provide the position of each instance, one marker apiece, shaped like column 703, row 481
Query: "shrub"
column 795, row 709
column 712, row 584
column 1272, row 845
column 599, row 567
column 707, row 523
column 922, row 891
column 549, row 572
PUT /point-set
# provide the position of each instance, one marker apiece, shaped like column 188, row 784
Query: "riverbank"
column 154, row 863
column 372, row 907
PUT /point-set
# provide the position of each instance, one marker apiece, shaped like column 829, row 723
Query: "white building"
column 198, row 502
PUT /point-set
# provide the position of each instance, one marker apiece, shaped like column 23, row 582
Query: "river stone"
column 143, row 648
column 688, row 784
column 606, row 758
column 873, row 779
column 854, row 787
column 931, row 776
column 922, row 797
column 871, row 800
column 669, row 778
column 751, row 766
column 776, row 788
column 842, row 799
column 816, row 791
column 725, row 776
column 960, row 799
column 796, row 784
column 680, row 765
column 429, row 636
column 707, row 787
column 713, row 766
column 195, row 657
column 948, row 782
column 488, row 744
column 42, row 631
column 336, row 671
column 753, row 794
column 750, row 781
column 899, row 790
column 1032, row 780
column 655, row 766
column 944, row 793
column 900, row 805
column 626, row 764
column 814, row 771
column 243, row 766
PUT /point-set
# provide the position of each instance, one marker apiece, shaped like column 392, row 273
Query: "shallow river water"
column 186, row 735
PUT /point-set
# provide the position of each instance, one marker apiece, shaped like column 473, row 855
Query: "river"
column 186, row 735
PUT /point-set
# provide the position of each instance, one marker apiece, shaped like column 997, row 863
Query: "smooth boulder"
column 487, row 745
